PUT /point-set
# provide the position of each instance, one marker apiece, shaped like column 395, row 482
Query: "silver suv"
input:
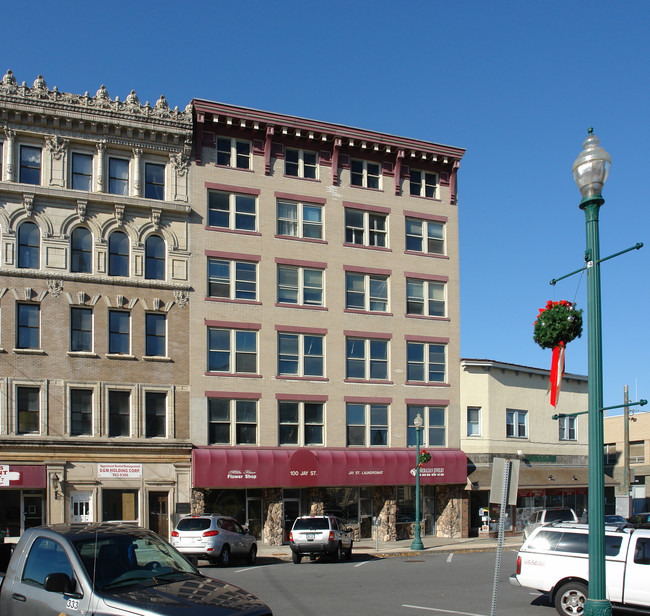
column 320, row 534
column 546, row 516
column 214, row 537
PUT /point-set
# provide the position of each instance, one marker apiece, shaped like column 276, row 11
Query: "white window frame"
column 301, row 424
column 167, row 412
column 425, row 411
column 426, row 184
column 233, row 351
column 131, row 394
column 234, row 153
column 300, row 222
column 301, row 164
column 423, row 236
column 515, row 423
column 233, row 281
column 427, row 363
column 428, row 286
column 477, row 423
column 93, row 393
column 366, row 175
column 72, row 169
column 368, row 425
column 302, row 356
column 40, row 409
column 128, row 176
column 368, row 298
column 232, row 420
column 300, row 289
column 130, row 333
column 368, row 360
column 369, row 234
column 232, row 211
column 568, row 425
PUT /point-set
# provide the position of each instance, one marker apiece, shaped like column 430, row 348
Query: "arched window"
column 29, row 245
column 82, row 250
column 118, row 254
column 154, row 258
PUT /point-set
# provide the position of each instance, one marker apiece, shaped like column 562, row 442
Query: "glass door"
column 32, row 510
column 291, row 504
column 81, row 507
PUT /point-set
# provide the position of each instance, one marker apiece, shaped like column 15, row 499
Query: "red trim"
column 420, row 215
column 367, row 270
column 232, row 324
column 301, row 263
column 245, row 190
column 300, row 198
column 227, row 300
column 238, row 395
column 420, row 276
column 375, row 335
column 237, row 231
column 366, row 208
column 367, row 400
column 232, row 255
column 298, row 329
column 432, row 339
column 301, row 306
column 300, row 239
column 426, row 402
column 240, row 467
column 380, row 248
column 302, row 397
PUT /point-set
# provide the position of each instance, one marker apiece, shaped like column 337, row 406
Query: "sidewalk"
column 399, row 548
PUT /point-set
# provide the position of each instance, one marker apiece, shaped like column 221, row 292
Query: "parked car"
column 555, row 560
column 546, row 516
column 320, row 534
column 617, row 520
column 110, row 569
column 640, row 520
column 214, row 537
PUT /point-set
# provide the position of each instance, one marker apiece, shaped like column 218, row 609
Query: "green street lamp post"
column 590, row 171
column 417, row 538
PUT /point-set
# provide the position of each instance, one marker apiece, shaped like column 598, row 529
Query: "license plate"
column 310, row 536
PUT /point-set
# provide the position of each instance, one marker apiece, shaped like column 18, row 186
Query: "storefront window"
column 405, row 504
column 227, row 502
column 343, row 503
column 10, row 512
column 119, row 505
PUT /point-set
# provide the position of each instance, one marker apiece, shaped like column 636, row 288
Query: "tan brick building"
column 325, row 318
column 94, row 286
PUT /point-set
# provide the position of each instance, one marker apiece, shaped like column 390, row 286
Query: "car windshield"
column 562, row 515
column 311, row 524
column 194, row 524
column 121, row 560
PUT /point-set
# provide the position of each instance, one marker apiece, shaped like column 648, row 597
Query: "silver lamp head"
column 591, row 168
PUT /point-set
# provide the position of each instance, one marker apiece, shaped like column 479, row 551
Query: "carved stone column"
column 137, row 172
column 101, row 165
column 9, row 175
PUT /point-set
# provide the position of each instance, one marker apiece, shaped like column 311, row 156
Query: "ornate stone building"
column 94, row 286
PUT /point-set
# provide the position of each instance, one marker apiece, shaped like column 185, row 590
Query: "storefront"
column 268, row 488
column 23, row 494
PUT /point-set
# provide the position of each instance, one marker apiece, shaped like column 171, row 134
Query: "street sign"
column 496, row 486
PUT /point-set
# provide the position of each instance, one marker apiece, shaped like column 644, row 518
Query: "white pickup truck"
column 555, row 560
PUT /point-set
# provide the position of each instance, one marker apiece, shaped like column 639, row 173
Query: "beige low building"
column 94, row 281
column 506, row 413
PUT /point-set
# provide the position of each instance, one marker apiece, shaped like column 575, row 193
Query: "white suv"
column 320, row 534
column 214, row 537
column 545, row 516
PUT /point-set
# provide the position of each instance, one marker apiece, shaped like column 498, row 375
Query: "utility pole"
column 626, row 446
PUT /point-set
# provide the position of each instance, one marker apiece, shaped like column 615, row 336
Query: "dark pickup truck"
column 110, row 570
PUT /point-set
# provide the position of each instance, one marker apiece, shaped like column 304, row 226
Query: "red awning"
column 22, row 476
column 218, row 467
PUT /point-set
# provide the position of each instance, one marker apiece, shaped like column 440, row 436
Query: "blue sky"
column 515, row 83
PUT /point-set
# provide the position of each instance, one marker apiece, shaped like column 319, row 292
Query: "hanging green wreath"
column 424, row 457
column 559, row 322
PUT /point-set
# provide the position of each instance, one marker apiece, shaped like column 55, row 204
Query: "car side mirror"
column 59, row 582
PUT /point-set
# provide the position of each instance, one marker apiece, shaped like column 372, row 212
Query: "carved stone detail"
column 182, row 298
column 82, row 208
column 155, row 217
column 28, row 204
column 57, row 146
column 55, row 287
column 119, row 214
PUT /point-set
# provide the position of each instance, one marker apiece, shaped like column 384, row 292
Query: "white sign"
column 120, row 471
column 6, row 476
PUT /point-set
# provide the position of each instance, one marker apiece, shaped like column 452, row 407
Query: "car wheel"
column 296, row 558
column 348, row 552
column 224, row 557
column 252, row 555
column 340, row 554
column 570, row 599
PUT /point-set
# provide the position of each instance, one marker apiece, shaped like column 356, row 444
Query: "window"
column 300, row 355
column 118, row 176
column 425, row 297
column 366, row 292
column 81, row 412
column 28, row 334
column 300, row 285
column 119, row 332
column 81, row 250
column 610, row 454
column 366, row 359
column 425, row 362
column 365, row 228
column 154, row 258
column 301, row 164
column 425, row 236
column 232, row 279
column 155, row 334
column 567, row 428
column 367, row 425
column 516, row 423
column 118, row 254
column 434, row 430
column 300, row 423
column 119, row 413
column 297, row 219
column 82, row 171
column 233, row 153
column 232, row 351
column 637, row 452
column 424, row 184
column 30, row 165
column 155, row 404
column 232, row 422
column 27, row 408
column 154, row 181
column 365, row 174
column 81, row 329
column 119, row 505
column 44, row 556
column 231, row 211
column 473, row 421
column 29, row 245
